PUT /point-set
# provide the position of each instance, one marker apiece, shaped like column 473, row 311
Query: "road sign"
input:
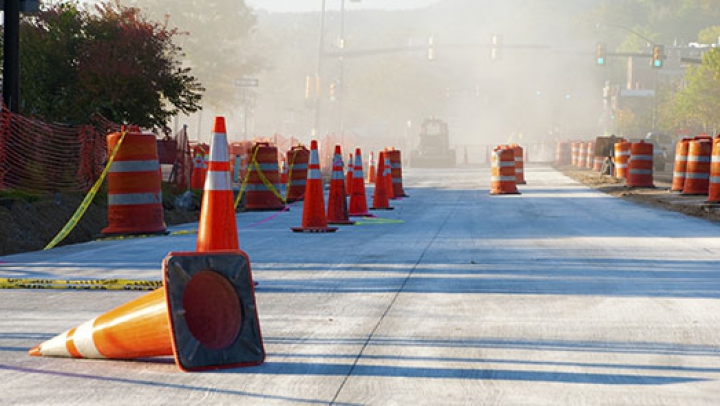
column 247, row 82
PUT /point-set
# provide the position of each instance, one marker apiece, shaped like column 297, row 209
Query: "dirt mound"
column 659, row 196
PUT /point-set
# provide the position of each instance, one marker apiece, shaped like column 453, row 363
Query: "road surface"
column 560, row 295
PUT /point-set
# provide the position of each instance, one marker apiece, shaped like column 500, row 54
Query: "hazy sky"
column 314, row 5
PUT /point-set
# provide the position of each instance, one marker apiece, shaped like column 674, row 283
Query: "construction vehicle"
column 433, row 149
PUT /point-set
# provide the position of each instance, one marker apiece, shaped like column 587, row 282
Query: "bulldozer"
column 433, row 149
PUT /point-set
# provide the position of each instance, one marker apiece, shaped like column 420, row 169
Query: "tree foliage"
column 217, row 44
column 110, row 60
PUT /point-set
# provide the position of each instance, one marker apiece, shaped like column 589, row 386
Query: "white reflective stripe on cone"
column 83, row 339
column 219, row 153
column 217, row 181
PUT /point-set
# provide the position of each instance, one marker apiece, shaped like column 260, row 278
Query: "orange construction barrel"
column 396, row 173
column 622, row 156
column 680, row 165
column 263, row 179
column 563, row 153
column 640, row 166
column 297, row 160
column 574, row 153
column 502, row 180
column 134, row 194
column 714, row 188
column 582, row 154
column 697, row 170
column 590, row 155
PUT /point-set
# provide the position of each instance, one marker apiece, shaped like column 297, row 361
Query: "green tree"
column 219, row 45
column 699, row 101
column 109, row 60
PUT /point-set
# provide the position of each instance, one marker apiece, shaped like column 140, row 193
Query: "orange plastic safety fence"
column 38, row 157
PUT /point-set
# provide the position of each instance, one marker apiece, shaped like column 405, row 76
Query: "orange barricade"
column 197, row 179
column 263, row 174
column 622, row 157
column 714, row 188
column 697, row 170
column 680, row 166
column 134, row 193
column 502, row 179
column 395, row 158
column 640, row 167
column 297, row 158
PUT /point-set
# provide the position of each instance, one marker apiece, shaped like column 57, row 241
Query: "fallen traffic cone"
column 371, row 169
column 204, row 315
column 381, row 200
column 218, row 227
column 314, row 219
column 337, row 200
column 358, row 200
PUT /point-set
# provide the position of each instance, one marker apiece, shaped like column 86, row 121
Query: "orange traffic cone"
column 389, row 176
column 381, row 200
column 371, row 169
column 337, row 201
column 283, row 172
column 218, row 227
column 358, row 200
column 204, row 316
column 314, row 219
column 349, row 177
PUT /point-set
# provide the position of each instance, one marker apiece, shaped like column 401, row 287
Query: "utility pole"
column 318, row 71
column 11, row 58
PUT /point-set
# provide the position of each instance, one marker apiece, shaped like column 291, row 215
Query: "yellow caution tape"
column 87, row 200
column 245, row 181
column 86, row 284
column 254, row 163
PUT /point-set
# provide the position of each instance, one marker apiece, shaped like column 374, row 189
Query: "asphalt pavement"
column 560, row 295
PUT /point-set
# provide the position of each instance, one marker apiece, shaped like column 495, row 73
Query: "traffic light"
column 495, row 53
column 431, row 48
column 600, row 53
column 658, row 55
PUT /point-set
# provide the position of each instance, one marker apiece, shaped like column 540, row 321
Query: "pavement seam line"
column 387, row 310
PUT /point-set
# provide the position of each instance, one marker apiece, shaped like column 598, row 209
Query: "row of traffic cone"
column 205, row 315
column 314, row 218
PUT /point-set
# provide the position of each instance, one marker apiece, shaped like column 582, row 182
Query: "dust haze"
column 540, row 84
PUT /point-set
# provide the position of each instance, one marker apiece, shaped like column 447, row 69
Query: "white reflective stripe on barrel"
column 502, row 178
column 697, row 175
column 134, row 166
column 134, row 198
column 641, row 171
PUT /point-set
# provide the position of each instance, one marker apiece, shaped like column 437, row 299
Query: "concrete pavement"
column 561, row 295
